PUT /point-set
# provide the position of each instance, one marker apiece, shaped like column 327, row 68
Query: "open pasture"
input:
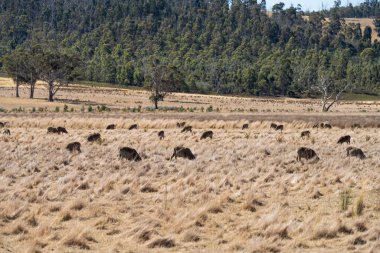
column 244, row 192
column 124, row 100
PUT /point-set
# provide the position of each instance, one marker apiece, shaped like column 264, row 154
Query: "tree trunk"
column 17, row 93
column 51, row 93
column 156, row 104
column 31, row 91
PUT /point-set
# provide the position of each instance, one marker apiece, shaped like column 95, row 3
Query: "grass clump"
column 344, row 200
column 359, row 206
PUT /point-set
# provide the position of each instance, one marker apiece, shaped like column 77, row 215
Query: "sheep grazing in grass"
column 207, row 134
column 187, row 129
column 245, row 126
column 52, row 130
column 355, row 152
column 181, row 124
column 183, row 152
column 111, row 127
column 61, row 130
column 129, row 154
column 93, row 137
column 161, row 135
column 344, row 139
column 74, row 146
column 305, row 134
column 306, row 153
column 273, row 126
column 280, row 128
column 134, row 126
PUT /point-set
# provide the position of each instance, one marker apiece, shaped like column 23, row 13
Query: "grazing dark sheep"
column 93, row 137
column 187, row 129
column 52, row 130
column 356, row 125
column 161, row 134
column 61, row 130
column 74, row 146
column 344, row 139
column 273, row 126
column 328, row 126
column 305, row 134
column 356, row 152
column 280, row 128
column 134, row 126
column 181, row 124
column 111, row 127
column 2, row 124
column 316, row 126
column 322, row 125
column 183, row 152
column 306, row 153
column 129, row 154
column 207, row 134
column 245, row 126
column 7, row 132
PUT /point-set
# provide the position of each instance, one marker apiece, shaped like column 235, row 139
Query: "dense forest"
column 219, row 46
column 367, row 9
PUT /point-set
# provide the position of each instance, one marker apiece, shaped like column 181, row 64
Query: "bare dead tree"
column 160, row 81
column 329, row 91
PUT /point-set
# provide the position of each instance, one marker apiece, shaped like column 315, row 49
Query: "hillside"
column 363, row 23
column 213, row 46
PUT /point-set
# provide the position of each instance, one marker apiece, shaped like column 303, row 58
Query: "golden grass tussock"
column 244, row 192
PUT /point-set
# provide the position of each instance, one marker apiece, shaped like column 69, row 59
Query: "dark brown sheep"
column 356, row 125
column 207, row 134
column 74, row 146
column 61, row 130
column 183, row 152
column 356, row 152
column 273, row 126
column 129, row 154
column 111, row 127
column 280, row 128
column 187, row 129
column 161, row 135
column 2, row 124
column 316, row 126
column 52, row 130
column 328, row 126
column 305, row 134
column 245, row 126
column 181, row 124
column 344, row 139
column 306, row 153
column 7, row 132
column 134, row 126
column 93, row 137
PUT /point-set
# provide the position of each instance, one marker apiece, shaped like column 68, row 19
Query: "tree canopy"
column 221, row 46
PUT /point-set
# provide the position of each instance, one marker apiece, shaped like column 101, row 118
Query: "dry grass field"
column 244, row 192
column 80, row 97
column 363, row 23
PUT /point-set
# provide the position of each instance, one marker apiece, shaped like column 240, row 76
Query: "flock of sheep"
column 132, row 155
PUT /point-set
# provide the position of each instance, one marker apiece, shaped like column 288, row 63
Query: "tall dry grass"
column 244, row 192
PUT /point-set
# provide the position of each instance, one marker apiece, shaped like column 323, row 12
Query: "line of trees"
column 218, row 46
column 55, row 66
